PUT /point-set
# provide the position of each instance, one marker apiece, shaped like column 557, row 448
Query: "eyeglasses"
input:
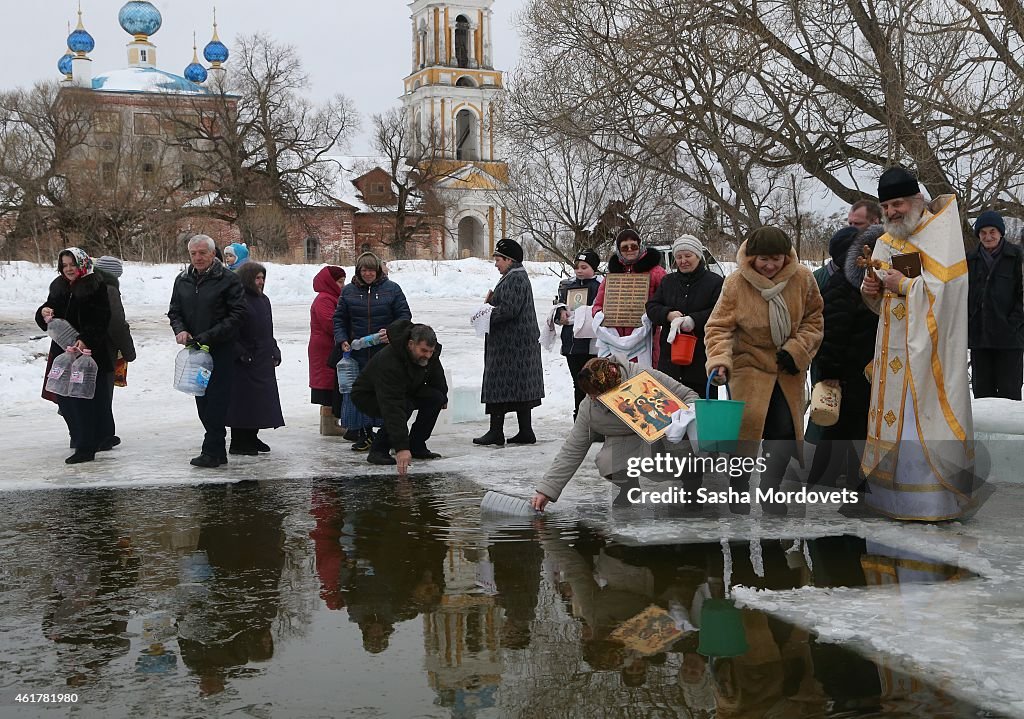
column 628, row 247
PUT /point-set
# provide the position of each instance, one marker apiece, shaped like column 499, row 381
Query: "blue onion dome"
column 140, row 18
column 215, row 51
column 195, row 72
column 80, row 41
column 64, row 64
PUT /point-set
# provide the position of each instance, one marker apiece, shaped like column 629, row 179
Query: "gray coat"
column 513, row 371
column 621, row 443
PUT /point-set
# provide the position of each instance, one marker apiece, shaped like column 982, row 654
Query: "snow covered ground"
column 966, row 636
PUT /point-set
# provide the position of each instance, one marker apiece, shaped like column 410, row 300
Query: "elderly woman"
column 323, row 379
column 761, row 338
column 685, row 298
column 80, row 297
column 255, row 402
column 513, row 373
column 235, row 255
column 632, row 256
column 621, row 443
column 368, row 304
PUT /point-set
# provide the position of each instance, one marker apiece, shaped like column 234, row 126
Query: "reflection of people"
column 513, row 372
column 995, row 303
column 621, row 444
column 255, row 401
column 207, row 307
column 517, row 579
column 323, row 379
column 243, row 539
column 761, row 337
column 688, row 295
column 917, row 459
column 406, row 376
column 79, row 296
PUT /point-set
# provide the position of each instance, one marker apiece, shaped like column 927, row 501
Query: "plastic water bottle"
column 83, row 377
column 368, row 341
column 192, row 370
column 348, row 371
column 59, row 376
column 498, row 503
column 61, row 332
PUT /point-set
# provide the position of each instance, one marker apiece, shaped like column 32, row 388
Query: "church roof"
column 146, row 79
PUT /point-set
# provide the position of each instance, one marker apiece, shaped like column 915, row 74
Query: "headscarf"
column 83, row 262
column 241, row 251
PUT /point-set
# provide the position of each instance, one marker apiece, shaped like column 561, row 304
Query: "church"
column 450, row 97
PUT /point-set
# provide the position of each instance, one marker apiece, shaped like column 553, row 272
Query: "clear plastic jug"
column 498, row 503
column 367, row 341
column 59, row 376
column 61, row 332
column 192, row 370
column 348, row 371
column 83, row 377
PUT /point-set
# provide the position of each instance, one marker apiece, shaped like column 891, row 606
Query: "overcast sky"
column 357, row 47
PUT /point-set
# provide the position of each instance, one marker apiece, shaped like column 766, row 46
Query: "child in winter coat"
column 577, row 351
column 761, row 338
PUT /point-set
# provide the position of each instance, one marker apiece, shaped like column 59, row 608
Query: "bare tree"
column 734, row 98
column 415, row 162
column 262, row 145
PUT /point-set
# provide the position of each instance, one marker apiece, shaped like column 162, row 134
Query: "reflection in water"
column 225, row 622
column 371, row 596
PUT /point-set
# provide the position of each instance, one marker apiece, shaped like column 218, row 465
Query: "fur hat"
column 590, row 257
column 689, row 243
column 840, row 243
column 111, row 265
column 768, row 241
column 510, row 249
column 989, row 218
column 897, row 182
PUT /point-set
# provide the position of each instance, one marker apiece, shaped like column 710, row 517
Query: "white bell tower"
column 451, row 97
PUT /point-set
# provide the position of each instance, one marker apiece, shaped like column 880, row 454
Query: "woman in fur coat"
column 761, row 338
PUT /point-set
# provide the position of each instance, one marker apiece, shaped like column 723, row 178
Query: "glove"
column 785, row 362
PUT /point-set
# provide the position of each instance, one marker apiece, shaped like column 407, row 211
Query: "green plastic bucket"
column 718, row 422
column 721, row 630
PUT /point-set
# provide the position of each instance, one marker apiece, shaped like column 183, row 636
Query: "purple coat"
column 255, row 402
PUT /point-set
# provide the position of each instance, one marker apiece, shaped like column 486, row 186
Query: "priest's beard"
column 902, row 228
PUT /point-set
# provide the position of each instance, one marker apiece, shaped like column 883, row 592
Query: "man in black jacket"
column 207, row 307
column 406, row 375
column 995, row 308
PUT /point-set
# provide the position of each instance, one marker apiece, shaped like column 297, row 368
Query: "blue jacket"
column 364, row 310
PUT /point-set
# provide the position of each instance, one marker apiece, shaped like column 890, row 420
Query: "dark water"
column 373, row 597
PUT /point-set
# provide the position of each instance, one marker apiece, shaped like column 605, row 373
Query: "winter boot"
column 243, row 441
column 363, row 443
column 526, row 435
column 496, row 434
column 261, row 446
column 329, row 424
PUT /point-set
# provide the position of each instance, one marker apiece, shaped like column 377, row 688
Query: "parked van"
column 668, row 262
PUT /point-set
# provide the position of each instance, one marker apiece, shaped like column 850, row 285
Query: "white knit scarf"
column 778, row 313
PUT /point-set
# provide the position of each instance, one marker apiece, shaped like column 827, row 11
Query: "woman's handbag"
column 825, row 401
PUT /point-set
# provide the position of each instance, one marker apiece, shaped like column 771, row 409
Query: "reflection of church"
column 462, row 636
column 452, row 95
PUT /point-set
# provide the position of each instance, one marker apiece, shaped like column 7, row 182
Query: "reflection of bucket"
column 497, row 503
column 682, row 348
column 718, row 422
column 721, row 630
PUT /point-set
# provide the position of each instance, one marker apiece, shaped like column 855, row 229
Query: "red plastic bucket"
column 682, row 348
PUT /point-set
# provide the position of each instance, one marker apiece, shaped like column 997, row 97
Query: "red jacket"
column 321, row 330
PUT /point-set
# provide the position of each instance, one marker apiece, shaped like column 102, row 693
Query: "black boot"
column 526, row 435
column 243, row 441
column 496, row 434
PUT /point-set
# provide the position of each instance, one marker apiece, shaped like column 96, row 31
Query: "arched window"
column 465, row 81
column 462, row 40
column 312, row 249
column 467, row 138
